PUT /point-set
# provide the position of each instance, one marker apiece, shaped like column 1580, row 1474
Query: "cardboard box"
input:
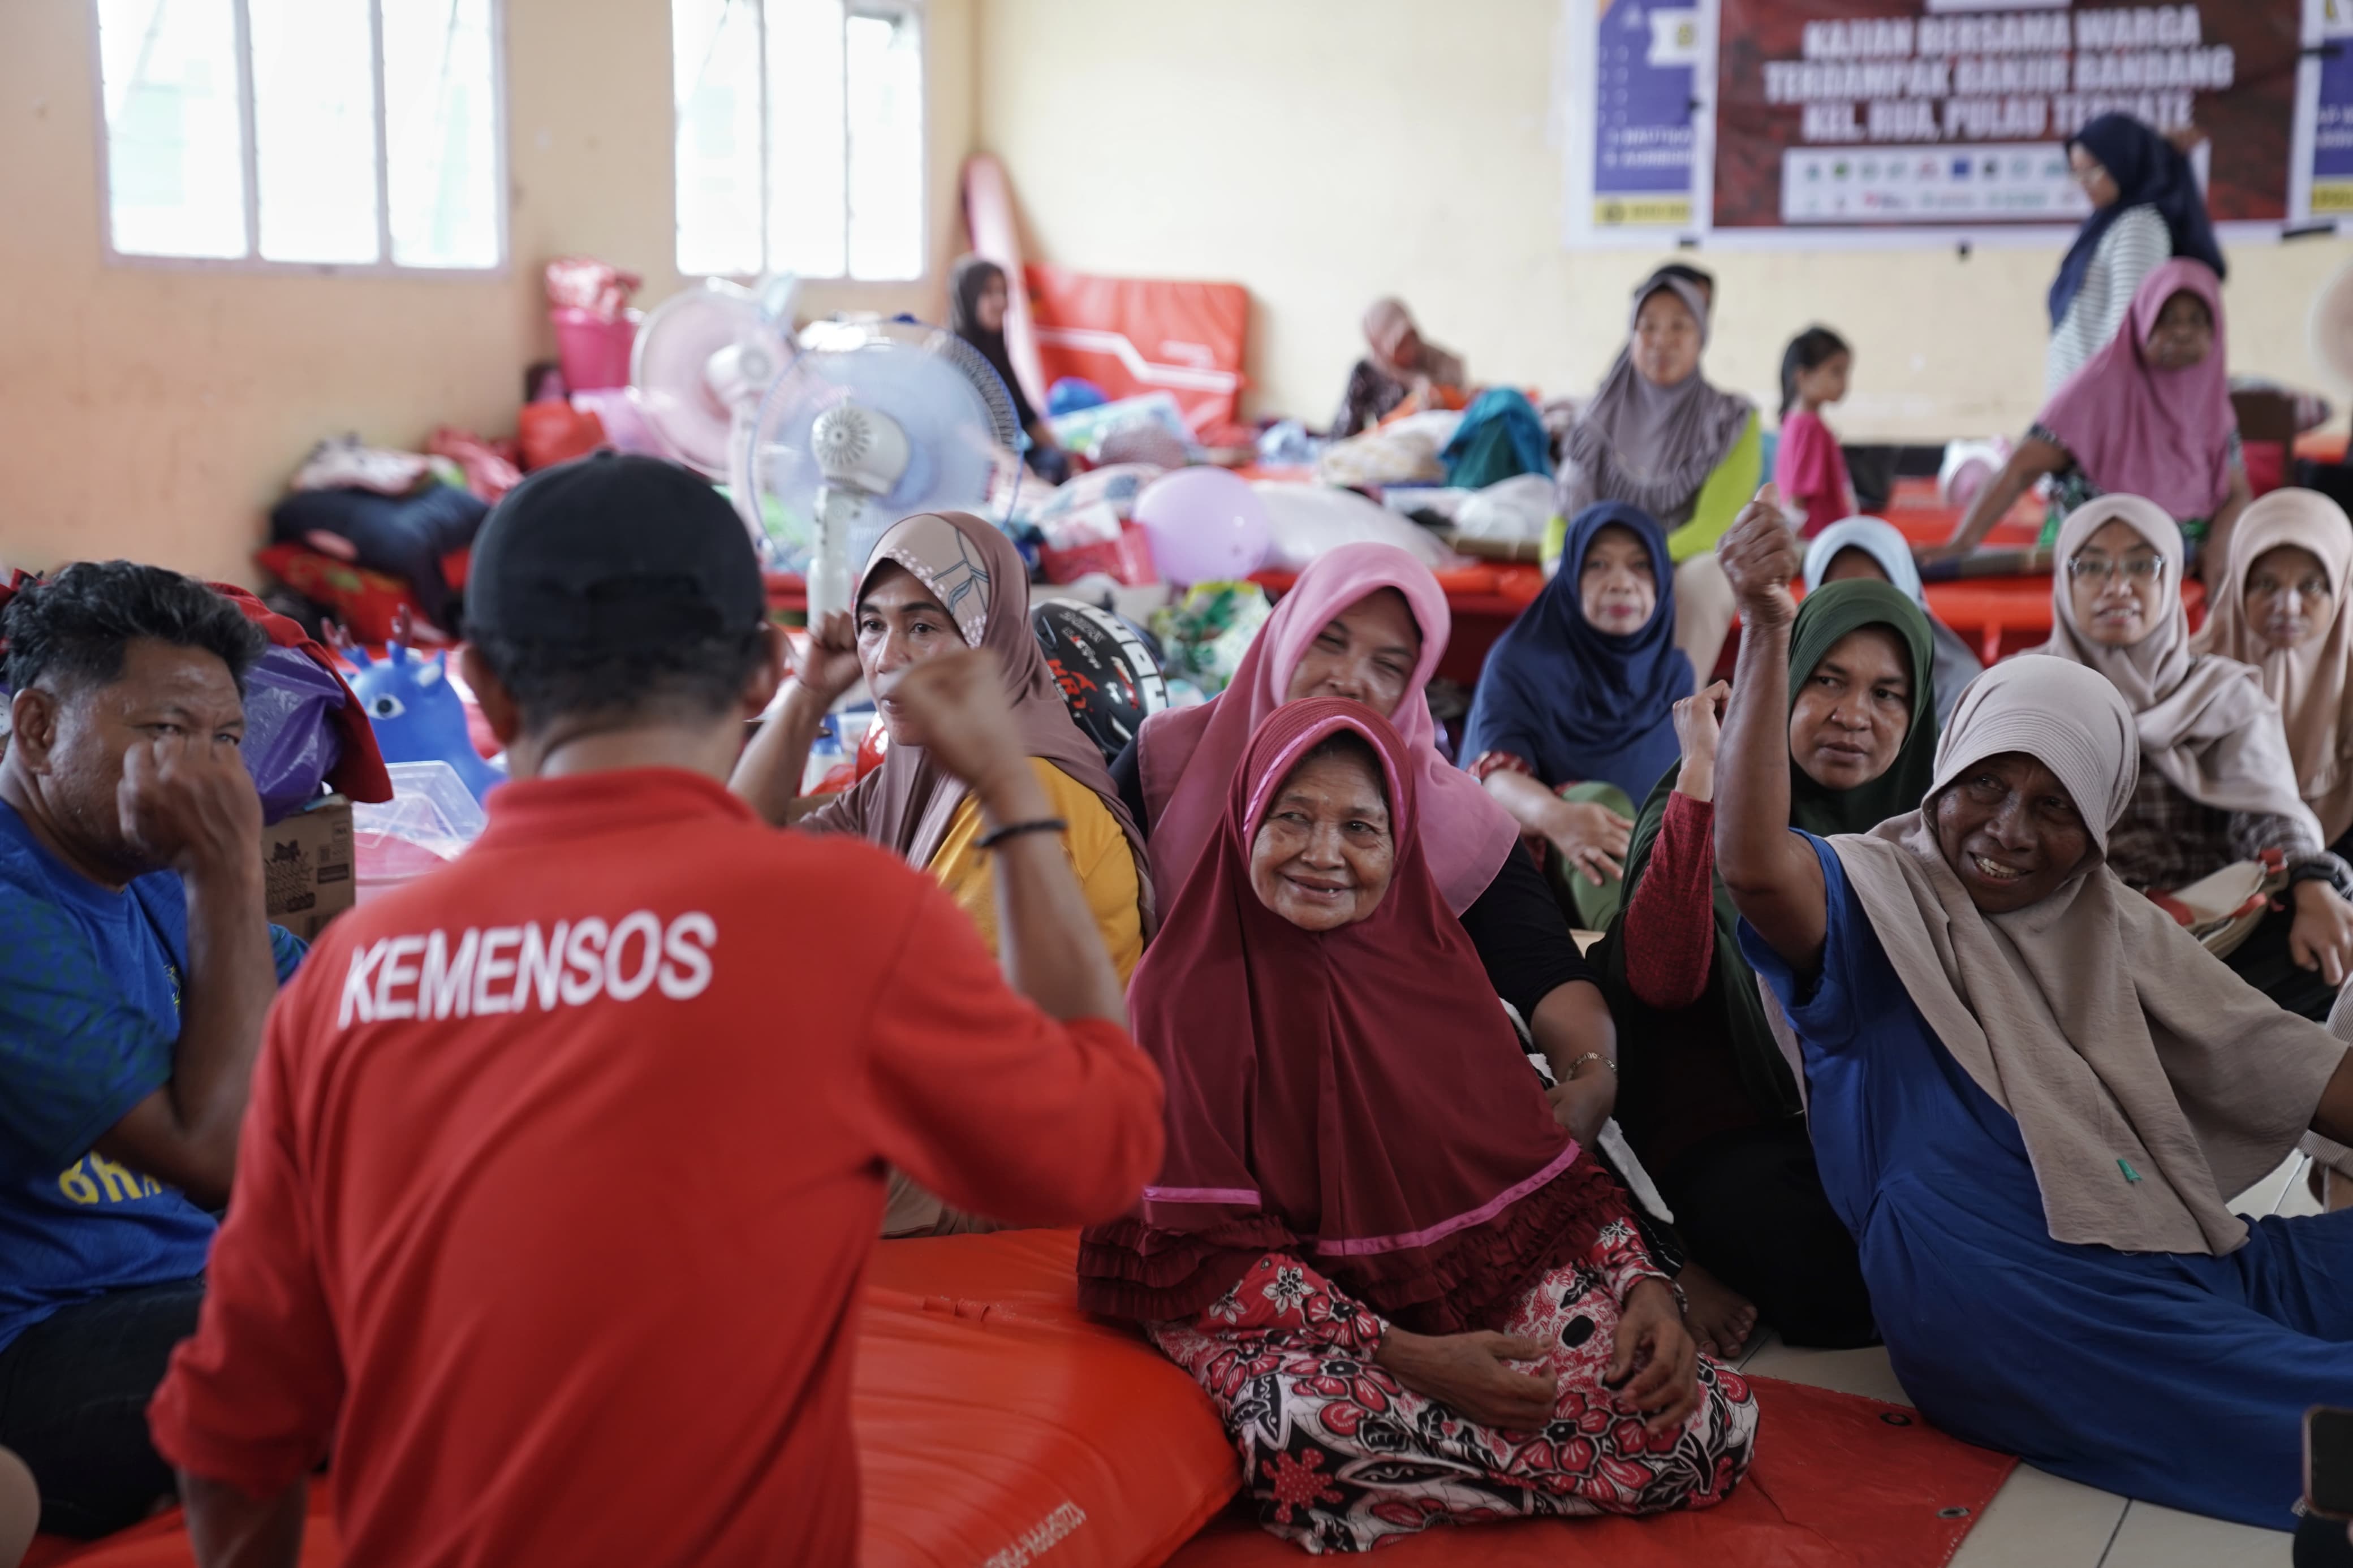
column 306, row 864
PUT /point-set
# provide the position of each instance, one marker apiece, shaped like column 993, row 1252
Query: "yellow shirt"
column 1728, row 486
column 1098, row 852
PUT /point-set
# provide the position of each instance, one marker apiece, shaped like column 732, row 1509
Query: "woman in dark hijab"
column 2146, row 208
column 976, row 302
column 1574, row 716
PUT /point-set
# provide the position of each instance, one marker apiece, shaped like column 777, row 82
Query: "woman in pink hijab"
column 1369, row 623
column 2148, row 415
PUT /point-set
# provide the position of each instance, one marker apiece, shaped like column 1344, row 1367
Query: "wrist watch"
column 2323, row 868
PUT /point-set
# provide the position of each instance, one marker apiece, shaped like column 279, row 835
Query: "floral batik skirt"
column 1340, row 1457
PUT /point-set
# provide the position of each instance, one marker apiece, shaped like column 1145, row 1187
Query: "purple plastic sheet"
column 290, row 743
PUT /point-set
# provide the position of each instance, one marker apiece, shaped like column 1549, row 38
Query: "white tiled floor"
column 2037, row 1520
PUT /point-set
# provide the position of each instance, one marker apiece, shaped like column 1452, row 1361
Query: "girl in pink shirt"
column 1809, row 466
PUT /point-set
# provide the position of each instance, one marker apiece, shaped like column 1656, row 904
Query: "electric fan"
column 871, row 422
column 702, row 360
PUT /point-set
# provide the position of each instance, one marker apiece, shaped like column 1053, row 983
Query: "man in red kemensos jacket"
column 563, row 1164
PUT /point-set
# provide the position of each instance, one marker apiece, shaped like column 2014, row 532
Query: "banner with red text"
column 1952, row 115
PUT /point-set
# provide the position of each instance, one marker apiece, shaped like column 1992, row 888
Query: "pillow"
column 1305, row 520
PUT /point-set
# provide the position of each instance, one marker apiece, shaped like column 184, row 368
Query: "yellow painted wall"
column 155, row 411
column 1327, row 152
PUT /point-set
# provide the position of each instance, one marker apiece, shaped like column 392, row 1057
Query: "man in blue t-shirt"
column 136, row 964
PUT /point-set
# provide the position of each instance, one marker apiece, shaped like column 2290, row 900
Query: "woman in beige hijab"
column 2033, row 1093
column 2218, row 783
column 2281, row 607
column 937, row 582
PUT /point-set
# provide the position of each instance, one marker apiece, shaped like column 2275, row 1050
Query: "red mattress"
column 1134, row 335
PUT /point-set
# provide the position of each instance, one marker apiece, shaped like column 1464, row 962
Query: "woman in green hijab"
column 1708, row 1100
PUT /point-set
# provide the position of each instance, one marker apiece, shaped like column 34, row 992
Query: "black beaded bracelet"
column 996, row 835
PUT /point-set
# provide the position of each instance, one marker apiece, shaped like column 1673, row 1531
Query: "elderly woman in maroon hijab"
column 1394, row 1271
column 1401, row 365
column 937, row 582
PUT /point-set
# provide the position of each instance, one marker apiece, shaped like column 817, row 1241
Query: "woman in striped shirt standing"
column 2146, row 206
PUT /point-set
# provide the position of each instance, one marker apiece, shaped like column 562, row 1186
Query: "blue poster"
column 1643, row 56
column 2332, row 114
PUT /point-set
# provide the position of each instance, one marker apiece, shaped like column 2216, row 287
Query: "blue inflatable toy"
column 417, row 716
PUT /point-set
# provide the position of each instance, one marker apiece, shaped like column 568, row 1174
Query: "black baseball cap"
column 611, row 550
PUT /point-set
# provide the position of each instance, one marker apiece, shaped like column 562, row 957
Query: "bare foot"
column 1719, row 1318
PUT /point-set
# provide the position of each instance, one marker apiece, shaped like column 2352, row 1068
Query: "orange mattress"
column 2008, row 614
column 994, row 1419
column 1917, row 513
column 995, row 1423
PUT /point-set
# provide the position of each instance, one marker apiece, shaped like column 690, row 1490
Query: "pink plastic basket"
column 595, row 352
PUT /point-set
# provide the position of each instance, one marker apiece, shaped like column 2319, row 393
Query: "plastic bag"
column 1287, row 445
column 554, row 433
column 290, row 743
column 341, row 463
column 585, row 283
column 428, row 822
column 1205, row 636
column 1126, row 557
column 490, row 466
column 1516, row 509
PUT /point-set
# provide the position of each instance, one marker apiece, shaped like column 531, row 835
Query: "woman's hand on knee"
column 1655, row 1365
column 1591, row 839
column 1472, row 1375
column 1582, row 1102
column 2321, row 937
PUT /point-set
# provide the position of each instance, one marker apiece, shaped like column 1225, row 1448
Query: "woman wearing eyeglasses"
column 2150, row 416
column 2217, row 783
